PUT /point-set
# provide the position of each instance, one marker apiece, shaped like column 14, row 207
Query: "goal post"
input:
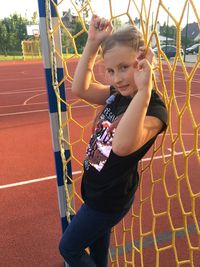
column 54, row 74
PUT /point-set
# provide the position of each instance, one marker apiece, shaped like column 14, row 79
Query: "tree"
column 12, row 32
column 168, row 31
column 3, row 38
column 81, row 39
column 117, row 23
column 74, row 25
column 86, row 10
column 34, row 18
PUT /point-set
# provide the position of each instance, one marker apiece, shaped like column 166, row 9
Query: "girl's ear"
column 135, row 64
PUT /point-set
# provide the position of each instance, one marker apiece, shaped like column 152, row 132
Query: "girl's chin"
column 125, row 93
column 128, row 92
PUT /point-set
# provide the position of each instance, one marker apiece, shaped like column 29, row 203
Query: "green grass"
column 18, row 57
column 3, row 57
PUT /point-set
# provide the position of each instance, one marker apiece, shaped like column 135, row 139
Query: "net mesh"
column 162, row 228
column 31, row 48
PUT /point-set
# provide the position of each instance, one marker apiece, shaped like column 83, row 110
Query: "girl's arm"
column 135, row 128
column 82, row 84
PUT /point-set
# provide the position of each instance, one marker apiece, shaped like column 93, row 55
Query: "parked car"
column 169, row 50
column 194, row 49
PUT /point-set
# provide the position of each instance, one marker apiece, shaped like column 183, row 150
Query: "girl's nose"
column 117, row 78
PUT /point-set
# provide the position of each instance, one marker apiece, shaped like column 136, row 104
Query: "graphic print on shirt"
column 100, row 144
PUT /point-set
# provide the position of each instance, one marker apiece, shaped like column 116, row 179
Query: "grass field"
column 20, row 57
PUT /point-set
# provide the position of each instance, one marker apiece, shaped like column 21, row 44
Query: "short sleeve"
column 158, row 109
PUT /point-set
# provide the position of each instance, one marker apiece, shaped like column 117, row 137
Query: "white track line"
column 23, row 112
column 36, row 103
column 79, row 172
column 28, row 90
column 35, row 111
column 31, row 90
column 34, row 181
column 24, row 79
column 20, row 105
column 25, row 102
column 28, row 182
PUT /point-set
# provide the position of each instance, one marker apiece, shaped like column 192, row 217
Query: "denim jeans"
column 88, row 229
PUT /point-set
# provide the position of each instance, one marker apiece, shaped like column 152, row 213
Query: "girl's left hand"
column 143, row 69
column 99, row 29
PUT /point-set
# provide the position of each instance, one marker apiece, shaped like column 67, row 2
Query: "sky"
column 101, row 7
column 23, row 7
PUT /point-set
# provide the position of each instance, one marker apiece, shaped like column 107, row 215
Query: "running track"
column 30, row 222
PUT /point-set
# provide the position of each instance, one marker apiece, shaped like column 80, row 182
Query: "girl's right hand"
column 99, row 29
column 143, row 69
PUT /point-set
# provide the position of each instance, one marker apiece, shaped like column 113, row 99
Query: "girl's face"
column 119, row 63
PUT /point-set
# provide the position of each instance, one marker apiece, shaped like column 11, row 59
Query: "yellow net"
column 31, row 48
column 163, row 227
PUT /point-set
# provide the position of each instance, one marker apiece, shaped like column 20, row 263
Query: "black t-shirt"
column 110, row 181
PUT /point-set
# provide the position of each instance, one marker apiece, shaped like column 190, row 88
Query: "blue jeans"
column 88, row 228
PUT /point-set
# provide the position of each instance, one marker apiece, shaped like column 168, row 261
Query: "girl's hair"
column 128, row 36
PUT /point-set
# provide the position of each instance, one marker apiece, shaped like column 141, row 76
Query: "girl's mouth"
column 123, row 88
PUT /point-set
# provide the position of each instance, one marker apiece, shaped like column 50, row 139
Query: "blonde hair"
column 128, row 36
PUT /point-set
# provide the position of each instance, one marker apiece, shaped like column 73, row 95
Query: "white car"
column 194, row 49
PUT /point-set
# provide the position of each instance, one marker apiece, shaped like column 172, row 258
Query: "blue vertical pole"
column 53, row 106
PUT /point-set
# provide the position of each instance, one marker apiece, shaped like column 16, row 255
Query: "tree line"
column 13, row 32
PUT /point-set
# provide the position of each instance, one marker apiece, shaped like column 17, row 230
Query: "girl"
column 132, row 117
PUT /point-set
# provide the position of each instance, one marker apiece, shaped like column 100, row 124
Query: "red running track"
column 30, row 221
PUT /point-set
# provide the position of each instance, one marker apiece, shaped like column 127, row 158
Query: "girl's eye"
column 109, row 71
column 124, row 67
